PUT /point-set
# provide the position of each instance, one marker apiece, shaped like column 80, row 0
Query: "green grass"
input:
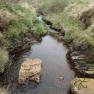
column 54, row 6
column 56, row 19
column 71, row 25
column 39, row 29
column 56, row 13
column 21, row 23
column 49, row 6
column 25, row 15
column 76, row 31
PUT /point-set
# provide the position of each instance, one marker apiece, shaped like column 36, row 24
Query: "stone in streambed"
column 30, row 70
column 82, row 86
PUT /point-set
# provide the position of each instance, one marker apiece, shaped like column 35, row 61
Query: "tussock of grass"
column 72, row 26
column 76, row 32
column 25, row 15
column 39, row 28
column 20, row 23
column 56, row 19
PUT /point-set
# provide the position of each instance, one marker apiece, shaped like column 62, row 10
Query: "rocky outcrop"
column 30, row 70
column 82, row 86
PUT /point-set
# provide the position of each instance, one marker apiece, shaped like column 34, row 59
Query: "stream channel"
column 56, row 72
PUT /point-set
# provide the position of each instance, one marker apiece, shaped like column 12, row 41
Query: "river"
column 55, row 66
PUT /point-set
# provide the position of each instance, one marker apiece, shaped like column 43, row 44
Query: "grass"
column 56, row 13
column 39, row 28
column 76, row 31
column 50, row 6
column 21, row 22
column 56, row 19
column 72, row 26
column 55, row 6
column 25, row 15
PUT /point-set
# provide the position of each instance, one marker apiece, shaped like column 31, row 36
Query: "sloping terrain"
column 18, row 26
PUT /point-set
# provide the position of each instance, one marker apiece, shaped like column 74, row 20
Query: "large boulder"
column 30, row 70
column 82, row 86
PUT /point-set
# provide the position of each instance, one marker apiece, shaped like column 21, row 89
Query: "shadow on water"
column 55, row 66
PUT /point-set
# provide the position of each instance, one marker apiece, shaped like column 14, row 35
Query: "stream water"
column 55, row 66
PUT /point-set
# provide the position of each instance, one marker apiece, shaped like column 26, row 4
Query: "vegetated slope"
column 18, row 24
column 74, row 15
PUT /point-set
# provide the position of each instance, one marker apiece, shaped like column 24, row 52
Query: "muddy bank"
column 81, row 56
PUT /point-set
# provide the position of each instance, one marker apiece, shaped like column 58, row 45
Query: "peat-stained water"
column 54, row 67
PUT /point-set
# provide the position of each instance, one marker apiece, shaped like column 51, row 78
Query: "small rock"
column 60, row 78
